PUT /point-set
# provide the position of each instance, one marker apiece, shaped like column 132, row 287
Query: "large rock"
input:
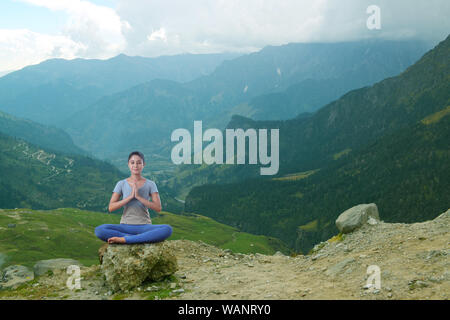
column 357, row 216
column 42, row 266
column 13, row 276
column 126, row 266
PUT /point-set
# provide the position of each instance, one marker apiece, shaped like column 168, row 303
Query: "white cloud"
column 158, row 35
column 98, row 27
column 19, row 48
column 161, row 27
column 91, row 31
column 210, row 26
column 201, row 26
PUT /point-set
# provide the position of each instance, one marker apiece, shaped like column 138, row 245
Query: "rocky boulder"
column 41, row 267
column 357, row 216
column 13, row 276
column 126, row 266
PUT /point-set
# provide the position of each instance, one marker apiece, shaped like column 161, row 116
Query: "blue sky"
column 17, row 15
column 32, row 31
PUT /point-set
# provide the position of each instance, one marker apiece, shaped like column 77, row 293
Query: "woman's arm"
column 115, row 202
column 155, row 204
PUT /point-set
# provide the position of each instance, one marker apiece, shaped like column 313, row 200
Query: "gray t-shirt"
column 134, row 212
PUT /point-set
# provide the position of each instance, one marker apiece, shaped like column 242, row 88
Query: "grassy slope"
column 69, row 233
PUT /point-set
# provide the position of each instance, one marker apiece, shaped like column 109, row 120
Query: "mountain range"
column 386, row 143
column 311, row 141
column 54, row 89
column 49, row 137
column 144, row 116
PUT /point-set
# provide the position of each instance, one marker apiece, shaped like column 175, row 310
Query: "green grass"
column 337, row 238
column 164, row 290
column 197, row 227
column 298, row 195
column 435, row 117
column 342, row 153
column 69, row 233
column 61, row 233
column 310, row 226
column 296, row 176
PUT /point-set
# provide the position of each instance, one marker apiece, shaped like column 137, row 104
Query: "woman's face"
column 135, row 164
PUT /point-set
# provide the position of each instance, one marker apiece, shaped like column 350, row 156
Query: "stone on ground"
column 41, row 267
column 126, row 266
column 13, row 276
column 357, row 216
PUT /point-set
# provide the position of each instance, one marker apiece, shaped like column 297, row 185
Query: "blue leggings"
column 134, row 233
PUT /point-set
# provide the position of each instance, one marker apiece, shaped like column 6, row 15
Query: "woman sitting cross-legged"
column 135, row 225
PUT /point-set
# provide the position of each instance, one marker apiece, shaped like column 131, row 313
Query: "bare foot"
column 116, row 240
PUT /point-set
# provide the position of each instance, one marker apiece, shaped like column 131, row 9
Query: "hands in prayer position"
column 134, row 194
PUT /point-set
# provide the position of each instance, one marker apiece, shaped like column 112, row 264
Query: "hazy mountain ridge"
column 305, row 96
column 46, row 136
column 52, row 90
column 276, row 68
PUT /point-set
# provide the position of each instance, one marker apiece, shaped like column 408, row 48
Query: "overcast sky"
column 35, row 30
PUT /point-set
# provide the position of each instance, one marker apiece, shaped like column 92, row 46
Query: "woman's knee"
column 168, row 229
column 100, row 231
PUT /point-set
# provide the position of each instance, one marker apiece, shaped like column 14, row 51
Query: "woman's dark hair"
column 138, row 154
